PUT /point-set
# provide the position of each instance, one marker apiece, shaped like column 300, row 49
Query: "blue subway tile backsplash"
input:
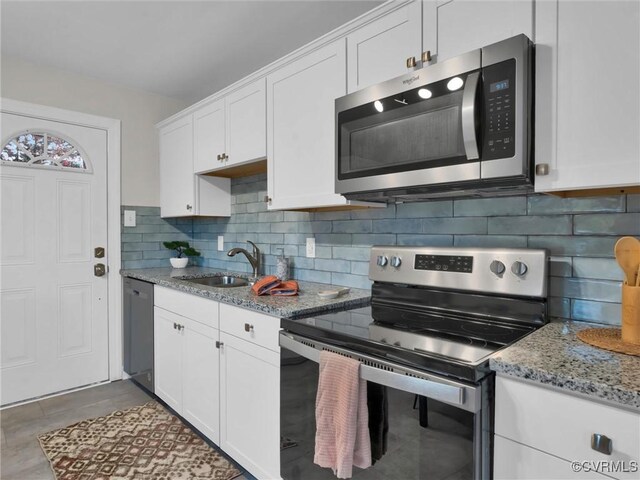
column 578, row 232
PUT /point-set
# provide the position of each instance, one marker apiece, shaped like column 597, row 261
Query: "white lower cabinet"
column 226, row 381
column 250, row 394
column 186, row 370
column 540, row 431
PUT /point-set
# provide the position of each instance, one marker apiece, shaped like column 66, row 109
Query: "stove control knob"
column 497, row 267
column 519, row 268
column 382, row 260
column 396, row 262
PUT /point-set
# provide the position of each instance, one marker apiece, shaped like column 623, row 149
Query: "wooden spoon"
column 627, row 251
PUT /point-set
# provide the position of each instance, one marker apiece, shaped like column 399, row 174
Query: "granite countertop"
column 306, row 303
column 553, row 355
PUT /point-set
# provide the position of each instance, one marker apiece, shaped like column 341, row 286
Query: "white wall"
column 139, row 111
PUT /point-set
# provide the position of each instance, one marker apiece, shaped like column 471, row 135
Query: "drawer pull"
column 601, row 443
column 248, row 328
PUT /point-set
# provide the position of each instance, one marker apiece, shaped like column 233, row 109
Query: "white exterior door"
column 54, row 326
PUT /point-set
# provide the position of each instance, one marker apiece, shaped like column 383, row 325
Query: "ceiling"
column 182, row 49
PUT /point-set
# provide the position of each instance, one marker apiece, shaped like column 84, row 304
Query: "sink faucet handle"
column 256, row 250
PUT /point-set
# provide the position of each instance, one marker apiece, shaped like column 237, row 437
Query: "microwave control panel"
column 499, row 82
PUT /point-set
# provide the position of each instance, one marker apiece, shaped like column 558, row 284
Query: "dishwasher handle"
column 399, row 377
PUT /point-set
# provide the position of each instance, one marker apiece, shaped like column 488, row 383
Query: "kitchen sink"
column 224, row 281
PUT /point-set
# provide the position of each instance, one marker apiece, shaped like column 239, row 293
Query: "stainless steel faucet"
column 254, row 259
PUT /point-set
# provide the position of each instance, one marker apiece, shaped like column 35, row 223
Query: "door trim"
column 112, row 128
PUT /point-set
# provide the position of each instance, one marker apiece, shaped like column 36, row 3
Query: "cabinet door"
column 176, row 169
column 209, row 136
column 200, row 378
column 250, row 423
column 301, row 129
column 514, row 461
column 167, row 361
column 587, row 95
column 379, row 50
column 458, row 26
column 247, row 123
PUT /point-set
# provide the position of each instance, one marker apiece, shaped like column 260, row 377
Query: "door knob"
column 99, row 269
column 411, row 62
column 189, row 207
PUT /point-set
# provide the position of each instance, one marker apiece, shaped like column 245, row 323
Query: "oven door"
column 425, row 438
column 419, row 129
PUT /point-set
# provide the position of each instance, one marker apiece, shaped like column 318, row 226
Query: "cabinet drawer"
column 514, row 461
column 562, row 424
column 251, row 326
column 196, row 308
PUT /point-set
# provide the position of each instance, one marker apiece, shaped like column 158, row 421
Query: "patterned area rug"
column 142, row 443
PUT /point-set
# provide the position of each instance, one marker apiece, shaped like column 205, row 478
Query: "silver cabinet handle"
column 601, row 443
column 469, row 133
column 426, row 56
column 248, row 328
column 542, row 169
column 411, row 62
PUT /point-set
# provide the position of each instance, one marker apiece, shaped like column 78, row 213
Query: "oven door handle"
column 469, row 131
column 412, row 381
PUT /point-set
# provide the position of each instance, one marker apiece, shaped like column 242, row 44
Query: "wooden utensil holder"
column 631, row 314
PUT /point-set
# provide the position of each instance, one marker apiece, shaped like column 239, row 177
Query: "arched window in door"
column 43, row 149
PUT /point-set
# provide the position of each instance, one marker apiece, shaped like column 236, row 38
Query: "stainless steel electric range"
column 437, row 315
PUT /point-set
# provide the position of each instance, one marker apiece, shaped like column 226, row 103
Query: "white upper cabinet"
column 587, row 95
column 301, row 129
column 246, row 124
column 453, row 27
column 208, row 136
column 231, row 130
column 177, row 190
column 183, row 194
column 379, row 50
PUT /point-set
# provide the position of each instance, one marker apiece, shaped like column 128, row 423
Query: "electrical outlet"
column 311, row 247
column 129, row 218
column 220, row 243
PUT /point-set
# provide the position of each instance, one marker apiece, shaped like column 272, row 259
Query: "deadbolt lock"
column 99, row 269
column 98, row 252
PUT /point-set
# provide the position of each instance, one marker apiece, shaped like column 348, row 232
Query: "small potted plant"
column 184, row 252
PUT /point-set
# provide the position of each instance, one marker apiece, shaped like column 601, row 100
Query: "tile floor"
column 21, row 457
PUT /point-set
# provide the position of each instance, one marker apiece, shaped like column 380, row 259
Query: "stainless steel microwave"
column 461, row 127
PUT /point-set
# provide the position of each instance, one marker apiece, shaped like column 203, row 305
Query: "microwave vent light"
column 455, row 83
column 378, row 105
column 424, row 93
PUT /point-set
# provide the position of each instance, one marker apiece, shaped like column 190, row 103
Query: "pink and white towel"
column 342, row 417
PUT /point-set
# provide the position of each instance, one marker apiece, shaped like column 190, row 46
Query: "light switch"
column 129, row 218
column 220, row 243
column 311, row 247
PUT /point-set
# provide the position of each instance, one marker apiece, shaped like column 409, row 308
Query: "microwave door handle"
column 469, row 132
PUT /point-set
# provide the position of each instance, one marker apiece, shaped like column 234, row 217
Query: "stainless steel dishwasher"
column 138, row 331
